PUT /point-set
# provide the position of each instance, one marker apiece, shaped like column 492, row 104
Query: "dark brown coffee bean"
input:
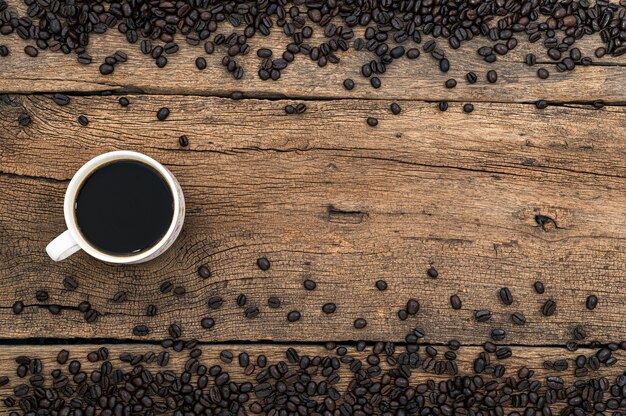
column 54, row 309
column 395, row 108
column 360, row 323
column 381, row 285
column 204, row 272
column 518, row 318
column 543, row 73
column 372, row 122
column 179, row 291
column 200, row 63
column 24, row 120
column 592, row 302
column 84, row 306
column 141, row 331
column 293, row 316
column 455, row 302
column 471, row 77
column 41, row 295
column 62, row 356
column 151, row 310
column 119, row 297
column 61, row 99
column 412, row 306
column 451, row 83
column 106, row 69
column 91, row 315
column 413, row 53
column 163, row 113
column 207, row 323
column 482, row 315
column 215, row 302
column 309, row 284
column 539, row 288
column 31, row 51
column 348, row 84
column 468, row 108
column 329, row 308
column 541, row 104
column 166, row 287
column 273, row 302
column 18, row 307
column 505, row 296
column 263, row 263
column 443, row 106
column 549, row 308
column 183, row 141
column 498, row 334
column 174, row 331
column 432, row 273
column 70, row 283
column 252, row 312
column 124, row 102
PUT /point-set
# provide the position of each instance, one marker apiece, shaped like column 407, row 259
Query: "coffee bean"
column 375, row 82
column 151, row 310
column 468, row 108
column 451, row 83
column 61, row 99
column 329, row 308
column 31, row 51
column 241, row 300
column 252, row 312
column 403, row 314
column 309, row 284
column 263, row 263
column 518, row 318
column 215, row 302
column 505, row 296
column 54, row 309
column 207, row 323
column 166, row 287
column 4, row 51
column 492, row 76
column 163, row 113
column 455, row 302
column 482, row 315
column 174, row 331
column 290, row 109
column 395, row 108
column 200, row 63
column 226, row 356
column 471, row 77
column 123, row 101
column 432, row 273
column 381, row 285
column 348, row 84
column 543, row 73
column 541, row 104
column 84, row 306
column 91, row 315
column 41, row 295
column 18, row 307
column 106, row 69
column 273, row 302
column 141, row 331
column 413, row 53
column 580, row 333
column 443, row 106
column 592, row 302
column 70, row 283
column 444, row 65
column 183, row 141
column 539, row 288
column 498, row 334
column 24, row 119
column 204, row 272
column 360, row 323
column 372, row 122
column 412, row 306
column 179, row 291
column 293, row 316
column 119, row 297
column 549, row 308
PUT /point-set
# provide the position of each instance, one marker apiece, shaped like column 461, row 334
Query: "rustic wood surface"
column 324, row 197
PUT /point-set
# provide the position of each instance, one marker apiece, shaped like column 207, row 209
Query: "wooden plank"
column 531, row 358
column 326, row 197
column 416, row 80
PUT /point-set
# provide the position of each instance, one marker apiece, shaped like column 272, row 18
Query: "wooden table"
column 323, row 196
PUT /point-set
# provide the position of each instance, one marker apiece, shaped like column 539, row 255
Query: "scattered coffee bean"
column 451, row 83
column 200, row 63
column 443, row 106
column 372, row 122
column 273, row 302
column 263, row 263
column 293, row 316
column 207, row 323
column 471, row 77
column 468, row 108
column 543, row 73
column 539, row 288
column 395, row 108
column 41, row 295
column 329, row 308
column 18, row 307
column 348, row 84
column 432, row 273
column 309, row 284
column 592, row 302
column 61, row 99
column 163, row 113
column 455, row 302
column 252, row 312
column 505, row 296
column 31, row 51
column 124, row 102
column 492, row 76
column 183, row 141
column 204, row 272
column 70, row 283
column 360, row 323
column 548, row 308
column 518, row 318
column 381, row 285
column 482, row 315
column 24, row 119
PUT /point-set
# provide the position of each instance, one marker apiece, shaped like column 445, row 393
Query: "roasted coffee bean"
column 455, row 302
column 543, row 73
column 207, row 323
column 263, row 263
column 31, row 51
column 505, row 296
column 4, row 51
column 360, row 323
column 381, row 285
column 518, row 318
column 141, row 330
column 166, row 287
column 174, row 331
column 548, row 308
column 200, row 63
column 241, row 300
column 204, row 272
column 179, row 291
column 451, row 83
column 541, row 104
column 54, row 309
column 18, row 307
column 498, row 334
column 119, row 297
column 293, row 316
column 215, row 302
column 106, row 69
column 395, row 108
column 84, row 306
column 183, row 141
column 471, row 77
column 432, row 273
column 492, row 76
column 348, row 84
column 482, row 315
column 531, row 59
column 124, row 102
column 372, row 122
column 375, row 82
column 592, row 302
column 61, row 99
column 70, row 283
column 412, row 306
column 252, row 312
column 309, row 284
column 539, row 288
column 329, row 308
column 226, row 356
column 41, row 295
column 273, row 302
column 91, row 315
column 24, row 120
column 443, row 106
column 151, row 310
column 468, row 108
column 163, row 113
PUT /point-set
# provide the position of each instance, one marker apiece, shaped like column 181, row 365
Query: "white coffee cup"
column 72, row 240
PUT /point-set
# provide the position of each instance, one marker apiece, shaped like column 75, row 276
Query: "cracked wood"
column 325, row 197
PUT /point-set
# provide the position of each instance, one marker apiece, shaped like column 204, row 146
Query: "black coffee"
column 124, row 207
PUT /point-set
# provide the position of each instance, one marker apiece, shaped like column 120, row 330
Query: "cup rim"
column 75, row 184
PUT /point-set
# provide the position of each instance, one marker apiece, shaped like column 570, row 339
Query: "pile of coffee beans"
column 361, row 379
column 388, row 29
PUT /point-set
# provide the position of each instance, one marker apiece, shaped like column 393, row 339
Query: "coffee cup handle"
column 62, row 247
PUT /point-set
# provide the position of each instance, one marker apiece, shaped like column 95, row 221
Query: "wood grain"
column 326, row 197
column 413, row 80
column 531, row 358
